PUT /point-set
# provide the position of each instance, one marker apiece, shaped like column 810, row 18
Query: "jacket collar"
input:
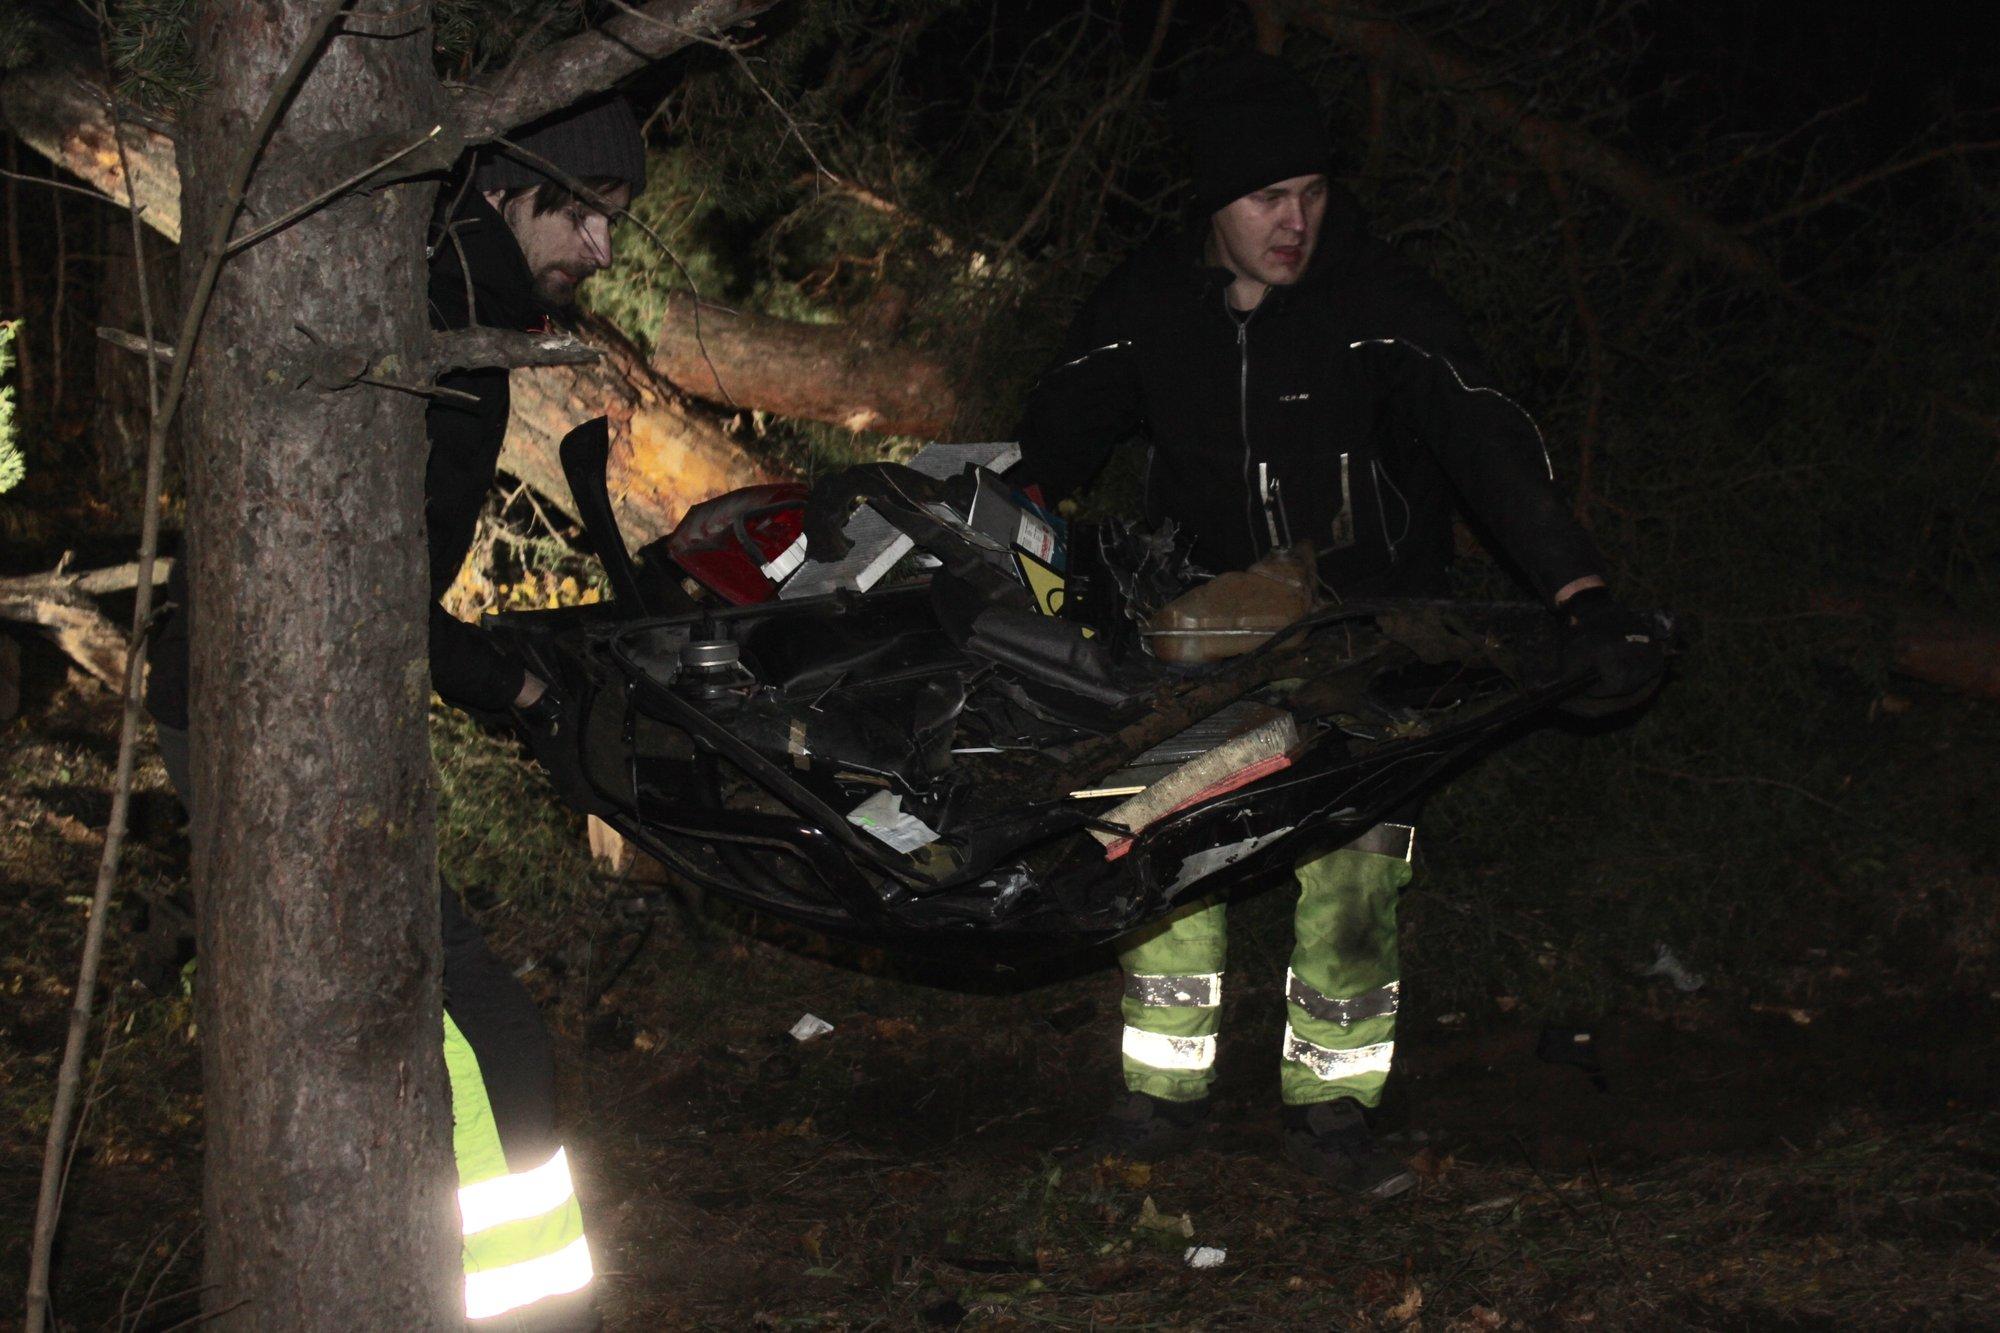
column 475, row 239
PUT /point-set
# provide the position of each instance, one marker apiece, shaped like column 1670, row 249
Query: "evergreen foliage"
column 18, row 38
column 149, row 46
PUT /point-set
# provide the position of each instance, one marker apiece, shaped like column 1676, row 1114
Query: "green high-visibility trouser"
column 1340, row 991
column 523, row 1229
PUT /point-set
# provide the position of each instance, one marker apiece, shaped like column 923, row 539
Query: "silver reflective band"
column 780, row 566
column 1191, row 990
column 1369, row 1004
column 1156, row 1050
column 1547, row 462
column 498, row 1290
column 510, row 1198
column 1397, row 840
column 1330, row 1064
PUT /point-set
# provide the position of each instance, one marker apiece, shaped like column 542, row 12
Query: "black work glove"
column 1624, row 647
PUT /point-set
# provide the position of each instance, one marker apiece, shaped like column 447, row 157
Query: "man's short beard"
column 561, row 300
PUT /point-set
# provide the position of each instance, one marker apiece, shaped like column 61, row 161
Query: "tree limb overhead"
column 592, row 61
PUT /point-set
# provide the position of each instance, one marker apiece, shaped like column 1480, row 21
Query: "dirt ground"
column 1816, row 1154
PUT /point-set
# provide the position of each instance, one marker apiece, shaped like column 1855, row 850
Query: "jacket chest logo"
column 1293, row 397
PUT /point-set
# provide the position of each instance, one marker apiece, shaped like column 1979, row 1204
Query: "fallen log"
column 665, row 455
column 57, row 108
column 842, row 374
column 61, row 609
column 1929, row 644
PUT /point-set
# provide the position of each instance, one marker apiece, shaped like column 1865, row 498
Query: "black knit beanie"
column 598, row 139
column 1248, row 121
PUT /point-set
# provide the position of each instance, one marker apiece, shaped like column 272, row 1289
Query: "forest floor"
column 1812, row 1147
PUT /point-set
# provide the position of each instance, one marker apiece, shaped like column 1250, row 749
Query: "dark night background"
column 1799, row 460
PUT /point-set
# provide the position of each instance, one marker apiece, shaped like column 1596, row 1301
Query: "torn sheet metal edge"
column 1205, row 863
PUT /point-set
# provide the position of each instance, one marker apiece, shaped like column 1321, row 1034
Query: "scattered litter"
column 1451, row 1020
column 1674, row 970
column 1406, row 1310
column 1205, row 1256
column 1803, row 1017
column 810, row 1026
column 1152, row 1219
column 883, row 815
column 1488, row 1205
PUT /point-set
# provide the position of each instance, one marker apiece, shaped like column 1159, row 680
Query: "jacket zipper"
column 1250, row 498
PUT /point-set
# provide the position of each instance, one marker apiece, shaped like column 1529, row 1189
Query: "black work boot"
column 1146, row 1128
column 1331, row 1141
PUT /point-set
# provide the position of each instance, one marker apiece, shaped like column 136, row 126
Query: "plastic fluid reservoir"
column 1234, row 612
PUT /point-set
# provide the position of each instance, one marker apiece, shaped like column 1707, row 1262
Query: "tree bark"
column 836, row 373
column 327, row 1192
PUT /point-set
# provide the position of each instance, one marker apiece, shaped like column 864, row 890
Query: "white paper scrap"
column 1673, row 969
column 810, row 1026
column 1205, row 1256
column 883, row 815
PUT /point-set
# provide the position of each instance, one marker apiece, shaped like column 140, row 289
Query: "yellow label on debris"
column 1043, row 581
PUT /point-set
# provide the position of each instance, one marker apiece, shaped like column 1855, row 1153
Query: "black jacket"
column 1355, row 393
column 465, row 438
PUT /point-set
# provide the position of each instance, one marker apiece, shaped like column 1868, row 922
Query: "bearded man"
column 513, row 240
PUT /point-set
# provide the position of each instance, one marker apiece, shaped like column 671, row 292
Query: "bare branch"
column 1130, row 89
column 591, row 61
column 331, row 193
column 86, row 191
column 1847, row 187
column 476, row 348
column 1382, row 40
column 134, row 343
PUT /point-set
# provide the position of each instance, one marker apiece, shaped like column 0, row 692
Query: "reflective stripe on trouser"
column 523, row 1229
column 1341, row 992
column 1172, row 1004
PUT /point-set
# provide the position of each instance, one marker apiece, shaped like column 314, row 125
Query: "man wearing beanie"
column 511, row 244
column 1296, row 381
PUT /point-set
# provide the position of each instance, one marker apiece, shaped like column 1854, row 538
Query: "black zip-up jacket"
column 465, row 439
column 1346, row 409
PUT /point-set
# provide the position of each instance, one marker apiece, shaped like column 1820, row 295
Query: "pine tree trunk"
column 328, row 1200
